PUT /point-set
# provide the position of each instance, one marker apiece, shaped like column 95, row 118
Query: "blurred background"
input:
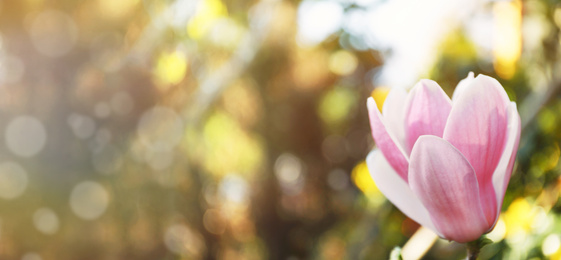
column 223, row 129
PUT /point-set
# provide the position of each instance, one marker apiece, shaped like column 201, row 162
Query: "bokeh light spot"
column 288, row 168
column 551, row 244
column 207, row 14
column 183, row 241
column 214, row 221
column 227, row 33
column 499, row 231
column 508, row 40
column 53, row 33
column 226, row 142
column 82, row 126
column 46, row 221
column 310, row 69
column 170, row 68
column 317, row 20
column 289, row 172
column 518, row 217
column 89, row 200
column 25, row 136
column 159, row 160
column 547, row 120
column 342, row 62
column 336, row 105
column 160, row 128
column 234, row 189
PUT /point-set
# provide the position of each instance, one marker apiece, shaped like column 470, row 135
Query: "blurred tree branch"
column 215, row 83
column 531, row 105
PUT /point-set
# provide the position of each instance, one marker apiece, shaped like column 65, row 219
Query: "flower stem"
column 472, row 252
column 474, row 247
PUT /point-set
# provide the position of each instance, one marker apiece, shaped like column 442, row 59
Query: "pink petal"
column 426, row 111
column 477, row 128
column 394, row 113
column 502, row 173
column 462, row 85
column 386, row 140
column 447, row 185
column 396, row 189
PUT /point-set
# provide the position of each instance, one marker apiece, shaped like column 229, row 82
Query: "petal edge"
column 396, row 189
column 501, row 176
column 447, row 185
column 386, row 141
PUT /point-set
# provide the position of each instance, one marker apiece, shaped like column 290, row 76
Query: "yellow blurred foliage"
column 556, row 255
column 116, row 9
column 553, row 153
column 362, row 179
column 227, row 33
column 519, row 217
column 336, row 104
column 459, row 46
column 379, row 94
column 228, row 148
column 547, row 120
column 209, row 11
column 508, row 37
column 170, row 68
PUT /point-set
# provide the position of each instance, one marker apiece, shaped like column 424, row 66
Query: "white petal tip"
column 370, row 103
column 512, row 103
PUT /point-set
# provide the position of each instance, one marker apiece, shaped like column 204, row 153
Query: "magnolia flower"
column 446, row 163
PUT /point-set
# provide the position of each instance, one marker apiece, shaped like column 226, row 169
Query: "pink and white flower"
column 446, row 163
